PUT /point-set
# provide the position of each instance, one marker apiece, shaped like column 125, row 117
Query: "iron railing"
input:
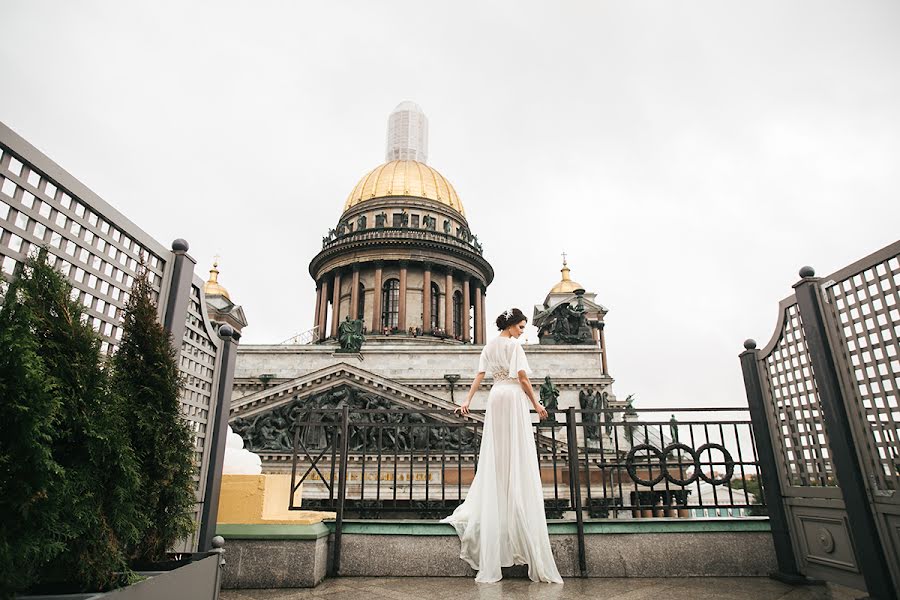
column 594, row 464
column 407, row 462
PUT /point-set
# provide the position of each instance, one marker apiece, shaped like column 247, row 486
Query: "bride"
column 502, row 523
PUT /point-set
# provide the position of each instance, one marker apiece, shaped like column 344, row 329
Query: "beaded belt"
column 501, row 376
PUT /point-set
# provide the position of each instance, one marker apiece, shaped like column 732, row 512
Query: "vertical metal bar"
column 396, row 458
column 459, row 436
column 737, row 440
column 342, row 491
column 412, row 447
column 380, row 447
column 334, row 459
column 216, row 456
column 555, row 467
column 587, row 458
column 618, row 455
column 707, row 440
column 603, row 463
column 571, row 434
column 444, row 467
column 427, row 463
column 870, row 549
column 778, row 520
column 728, row 485
column 294, row 468
column 362, row 474
column 694, row 444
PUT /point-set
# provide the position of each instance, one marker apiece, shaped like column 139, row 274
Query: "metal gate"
column 825, row 389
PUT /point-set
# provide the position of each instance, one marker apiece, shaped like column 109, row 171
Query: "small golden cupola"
column 565, row 285
column 213, row 287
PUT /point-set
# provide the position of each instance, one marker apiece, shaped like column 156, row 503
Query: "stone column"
column 323, row 310
column 354, row 293
column 426, row 299
column 479, row 310
column 603, row 351
column 336, row 304
column 467, row 305
column 448, row 303
column 377, row 324
column 318, row 307
column 483, row 317
column 401, row 313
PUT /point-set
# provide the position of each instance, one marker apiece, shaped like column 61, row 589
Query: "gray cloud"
column 688, row 156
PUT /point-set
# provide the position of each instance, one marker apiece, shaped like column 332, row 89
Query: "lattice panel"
column 792, row 387
column 197, row 364
column 865, row 311
column 99, row 259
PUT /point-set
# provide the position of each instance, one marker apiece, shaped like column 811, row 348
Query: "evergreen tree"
column 29, row 476
column 147, row 377
column 92, row 497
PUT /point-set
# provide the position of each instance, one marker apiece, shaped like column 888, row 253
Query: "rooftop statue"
column 350, row 335
column 567, row 325
column 550, row 398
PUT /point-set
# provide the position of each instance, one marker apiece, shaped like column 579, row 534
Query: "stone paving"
column 459, row 588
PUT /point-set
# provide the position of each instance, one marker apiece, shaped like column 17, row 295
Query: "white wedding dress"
column 502, row 522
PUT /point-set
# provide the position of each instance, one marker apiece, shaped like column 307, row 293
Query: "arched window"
column 390, row 300
column 457, row 314
column 435, row 304
column 361, row 294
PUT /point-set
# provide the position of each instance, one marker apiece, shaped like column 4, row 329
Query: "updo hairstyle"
column 509, row 317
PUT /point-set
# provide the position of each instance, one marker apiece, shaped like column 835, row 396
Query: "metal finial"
column 807, row 271
column 750, row 344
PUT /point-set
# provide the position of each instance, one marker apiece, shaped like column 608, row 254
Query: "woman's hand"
column 541, row 411
column 464, row 409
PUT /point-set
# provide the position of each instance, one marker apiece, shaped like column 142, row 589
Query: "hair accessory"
column 507, row 313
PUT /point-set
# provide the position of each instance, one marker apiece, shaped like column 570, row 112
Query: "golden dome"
column 404, row 178
column 565, row 285
column 213, row 287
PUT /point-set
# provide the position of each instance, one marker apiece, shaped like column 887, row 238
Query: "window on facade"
column 414, row 221
column 435, row 303
column 398, row 219
column 361, row 294
column 390, row 300
column 457, row 314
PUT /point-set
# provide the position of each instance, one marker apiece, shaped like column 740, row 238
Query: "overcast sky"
column 688, row 156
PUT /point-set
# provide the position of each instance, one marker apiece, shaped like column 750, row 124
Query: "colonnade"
column 328, row 290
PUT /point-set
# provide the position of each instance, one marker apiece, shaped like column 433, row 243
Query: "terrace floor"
column 459, row 588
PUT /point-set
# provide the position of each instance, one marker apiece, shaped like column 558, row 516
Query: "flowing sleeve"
column 518, row 362
column 482, row 361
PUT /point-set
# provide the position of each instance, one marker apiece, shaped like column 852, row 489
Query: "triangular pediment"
column 332, row 387
column 333, row 377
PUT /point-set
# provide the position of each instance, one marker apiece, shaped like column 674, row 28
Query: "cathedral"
column 399, row 318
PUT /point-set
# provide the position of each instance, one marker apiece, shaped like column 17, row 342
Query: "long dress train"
column 502, row 521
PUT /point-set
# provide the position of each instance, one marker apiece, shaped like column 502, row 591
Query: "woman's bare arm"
column 529, row 391
column 476, row 383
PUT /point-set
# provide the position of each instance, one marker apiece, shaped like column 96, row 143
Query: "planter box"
column 196, row 578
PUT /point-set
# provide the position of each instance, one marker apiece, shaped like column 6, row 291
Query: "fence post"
column 575, row 486
column 342, row 491
column 210, row 512
column 179, row 292
column 844, row 454
column 772, row 492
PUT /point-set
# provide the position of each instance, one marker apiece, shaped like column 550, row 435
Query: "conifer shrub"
column 78, row 504
column 29, row 474
column 147, row 377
